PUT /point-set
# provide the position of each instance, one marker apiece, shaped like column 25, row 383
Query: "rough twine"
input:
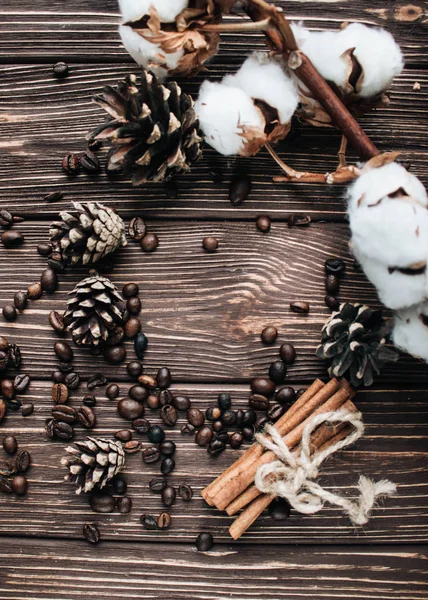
column 291, row 476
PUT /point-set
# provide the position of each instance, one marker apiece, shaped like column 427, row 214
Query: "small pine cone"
column 93, row 463
column 92, row 310
column 153, row 129
column 353, row 343
column 88, row 235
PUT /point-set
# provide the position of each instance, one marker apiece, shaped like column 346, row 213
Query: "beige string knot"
column 291, row 475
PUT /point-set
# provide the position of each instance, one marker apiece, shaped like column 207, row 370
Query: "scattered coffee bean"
column 44, row 249
column 149, row 242
column 124, row 435
column 262, row 386
column 263, row 224
column 299, row 307
column 153, row 402
column 168, row 495
column 59, row 393
column 141, row 425
column 132, row 327
column 6, row 218
column 204, row 436
column 116, row 337
column 138, row 393
column 261, row 422
column 195, row 417
column 60, row 69
column 49, row 280
column 185, row 492
column 147, row 381
column 64, row 351
column 167, row 448
column 210, row 244
column 240, row 417
column 137, row 228
column 228, row 418
column 60, row 430
column 58, row 377
column 102, row 503
column 332, row 284
column 335, row 266
column 124, row 505
column 287, row 352
column 285, row 395
column 134, row 368
column 216, row 447
column 130, row 409
column 27, row 409
column 53, row 197
column 119, row 486
column 133, row 306
column 164, row 520
column 269, row 335
column 332, row 302
column 72, row 380
column 71, row 164
column 8, row 389
column 258, row 402
column 275, row 411
column 157, row 484
column 150, row 455
column 187, row 429
column 2, row 409
column 279, row 509
column 5, row 485
column 19, row 485
column 86, row 417
column 9, row 312
column 213, row 413
column 181, row 402
column 91, row 533
column 169, row 415
column 131, row 447
column 278, row 371
column 140, row 345
column 167, row 465
column 204, row 542
column 10, row 444
column 97, row 380
column 56, row 321
column 148, row 522
column 130, row 289
column 249, row 417
column 299, row 220
column 90, row 163
column 224, row 400
column 20, row 300
column 217, row 426
column 115, row 354
column 239, row 190
column 236, row 439
column 64, row 414
column 248, row 432
column 156, row 434
column 34, row 291
column 163, row 378
column 12, row 238
column 112, row 391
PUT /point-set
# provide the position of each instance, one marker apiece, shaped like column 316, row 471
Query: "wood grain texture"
column 41, row 119
column 394, row 446
column 45, row 570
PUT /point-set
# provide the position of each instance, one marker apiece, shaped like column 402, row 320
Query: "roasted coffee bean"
column 62, row 431
column 4, row 360
column 261, row 422
column 204, row 542
column 130, row 409
column 65, row 367
column 8, row 389
column 167, row 465
column 133, row 306
column 53, row 196
column 124, row 505
column 275, row 411
column 60, row 70
column 213, row 413
column 163, row 378
column 90, row 401
column 250, row 417
column 130, row 289
column 64, row 414
column 90, row 163
column 168, row 495
column 97, row 380
column 34, row 291
column 131, row 447
column 138, row 393
column 112, row 391
column 116, row 337
column 332, row 302
column 262, row 386
column 6, row 218
column 335, row 266
column 287, row 352
column 119, row 486
column 228, row 418
column 258, row 402
column 72, row 380
column 298, row 220
column 55, row 262
column 210, row 244
column 10, row 444
column 91, row 533
column 132, row 327
column 19, row 485
column 115, row 354
column 22, row 461
column 2, row 409
column 263, row 224
column 217, row 426
column 278, row 371
column 102, row 503
column 9, row 312
column 332, row 285
column 151, row 455
column 71, row 164
column 49, row 280
column 12, row 238
column 137, row 228
column 300, row 307
column 14, row 404
column 279, row 509
column 20, row 300
column 216, row 447
column 147, row 381
column 240, row 189
column 204, row 436
column 59, row 393
column 195, row 417
column 222, row 435
column 248, row 432
column 156, row 434
column 164, row 520
column 64, row 351
column 56, row 321
column 185, row 492
column 124, row 435
column 236, row 439
column 187, row 428
column 27, row 409
column 285, row 395
column 141, row 425
column 86, row 417
column 5, row 485
column 153, row 402
column 157, row 484
column 269, row 334
column 134, row 368
column 240, row 415
column 169, row 415
column 140, row 345
column 224, row 401
column 44, row 249
column 167, row 448
column 58, row 377
column 148, row 522
column 149, row 242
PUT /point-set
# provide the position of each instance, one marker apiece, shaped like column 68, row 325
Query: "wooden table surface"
column 203, row 315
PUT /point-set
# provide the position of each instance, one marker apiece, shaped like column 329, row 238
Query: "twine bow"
column 291, row 475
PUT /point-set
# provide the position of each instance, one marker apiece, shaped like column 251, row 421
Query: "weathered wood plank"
column 203, row 313
column 76, row 31
column 41, row 119
column 42, row 570
column 394, row 446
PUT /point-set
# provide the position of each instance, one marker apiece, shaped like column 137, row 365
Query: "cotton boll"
column 410, row 332
column 264, row 79
column 147, row 54
column 133, row 10
column 230, row 121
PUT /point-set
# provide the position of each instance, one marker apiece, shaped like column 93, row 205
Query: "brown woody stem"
column 263, row 25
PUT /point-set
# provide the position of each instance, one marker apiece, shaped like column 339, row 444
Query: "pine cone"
column 153, row 129
column 92, row 312
column 93, row 463
column 85, row 237
column 353, row 341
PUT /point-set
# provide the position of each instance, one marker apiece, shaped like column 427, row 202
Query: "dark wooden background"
column 203, row 315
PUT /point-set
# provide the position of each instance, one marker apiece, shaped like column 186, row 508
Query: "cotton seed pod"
column 410, row 333
column 388, row 216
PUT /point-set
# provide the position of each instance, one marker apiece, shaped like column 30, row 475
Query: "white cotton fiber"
column 133, row 10
column 147, row 54
column 225, row 113
column 263, row 79
column 410, row 334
